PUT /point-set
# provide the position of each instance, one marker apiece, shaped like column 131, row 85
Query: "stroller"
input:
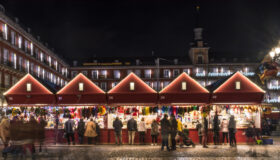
column 186, row 140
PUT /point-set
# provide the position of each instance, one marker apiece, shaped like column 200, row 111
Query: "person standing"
column 232, row 131
column 204, row 132
column 5, row 131
column 90, row 131
column 142, row 131
column 174, row 126
column 69, row 130
column 224, row 127
column 41, row 131
column 216, row 129
column 97, row 138
column 199, row 131
column 165, row 129
column 131, row 128
column 81, row 130
column 154, row 132
column 117, row 124
column 180, row 131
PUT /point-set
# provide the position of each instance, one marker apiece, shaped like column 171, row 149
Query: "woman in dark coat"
column 41, row 131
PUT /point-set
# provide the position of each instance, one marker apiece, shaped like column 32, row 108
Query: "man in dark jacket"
column 131, row 128
column 173, row 131
column 165, row 129
column 81, row 130
column 117, row 124
column 216, row 129
column 69, row 130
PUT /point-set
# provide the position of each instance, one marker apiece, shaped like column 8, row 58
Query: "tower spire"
column 198, row 28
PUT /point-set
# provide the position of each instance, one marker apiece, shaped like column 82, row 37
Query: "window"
column 117, row 74
column 20, row 63
column 148, row 73
column 74, row 73
column 184, row 86
column 103, row 86
column 42, row 56
column 176, row 72
column 165, row 83
column 138, row 72
column 13, row 37
column 129, row 71
column 55, row 64
column 50, row 61
column 237, row 85
column 27, row 66
column 6, row 55
column 166, row 73
column 5, row 31
column 114, row 84
column 131, row 86
column 28, row 87
column 7, row 80
column 43, row 73
column 31, row 49
column 38, row 71
column 15, row 60
column 81, row 86
column 84, row 73
column 19, row 42
column 103, row 74
column 188, row 71
column 200, row 59
column 25, row 45
column 31, row 68
column 94, row 74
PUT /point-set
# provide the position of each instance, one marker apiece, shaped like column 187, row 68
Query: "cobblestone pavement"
column 147, row 152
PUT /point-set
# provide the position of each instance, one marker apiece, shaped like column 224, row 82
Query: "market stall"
column 189, row 100
column 237, row 95
column 132, row 97
column 81, row 98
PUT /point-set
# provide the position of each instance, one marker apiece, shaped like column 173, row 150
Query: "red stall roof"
column 132, row 91
column 184, row 90
column 29, row 91
column 236, row 89
column 81, row 91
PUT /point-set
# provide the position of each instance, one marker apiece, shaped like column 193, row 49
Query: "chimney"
column 75, row 63
column 16, row 20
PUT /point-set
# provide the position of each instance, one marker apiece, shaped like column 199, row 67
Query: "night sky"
column 84, row 29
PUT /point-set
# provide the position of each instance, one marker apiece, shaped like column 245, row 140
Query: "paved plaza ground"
column 147, row 152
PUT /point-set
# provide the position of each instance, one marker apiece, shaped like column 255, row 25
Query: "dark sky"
column 83, row 28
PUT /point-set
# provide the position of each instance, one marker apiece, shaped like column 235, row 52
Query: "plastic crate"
column 267, row 141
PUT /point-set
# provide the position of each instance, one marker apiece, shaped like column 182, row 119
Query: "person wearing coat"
column 131, row 128
column 5, row 131
column 216, row 129
column 154, row 132
column 142, row 131
column 165, row 130
column 90, row 131
column 204, row 130
column 41, row 131
column 232, row 131
column 81, row 130
column 174, row 127
column 69, row 130
column 199, row 131
column 117, row 124
column 224, row 129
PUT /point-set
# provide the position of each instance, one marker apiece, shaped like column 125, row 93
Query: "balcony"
column 215, row 74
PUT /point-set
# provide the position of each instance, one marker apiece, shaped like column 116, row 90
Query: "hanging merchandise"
column 147, row 110
column 103, row 110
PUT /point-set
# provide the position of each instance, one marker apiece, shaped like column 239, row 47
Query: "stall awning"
column 30, row 91
column 184, row 90
column 236, row 89
column 81, row 91
column 132, row 91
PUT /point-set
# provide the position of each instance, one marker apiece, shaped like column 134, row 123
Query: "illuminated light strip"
column 128, row 76
column 73, row 80
column 23, row 78
column 185, row 74
column 242, row 76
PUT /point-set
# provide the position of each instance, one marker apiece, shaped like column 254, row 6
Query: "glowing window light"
column 19, row 42
column 27, row 65
column 6, row 31
column 42, row 56
column 38, row 71
column 50, row 61
column 15, row 61
column 237, row 85
column 28, row 87
column 81, row 86
column 184, row 86
column 31, row 48
column 132, row 86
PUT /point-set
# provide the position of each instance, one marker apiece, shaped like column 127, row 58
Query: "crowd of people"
column 23, row 134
